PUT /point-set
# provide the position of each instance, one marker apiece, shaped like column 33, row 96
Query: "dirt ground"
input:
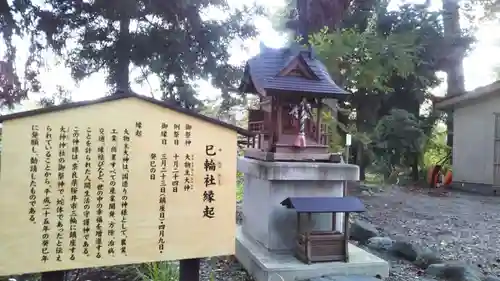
column 459, row 226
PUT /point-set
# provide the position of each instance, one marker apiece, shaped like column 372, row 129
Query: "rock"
column 453, row 272
column 491, row 278
column 405, row 250
column 366, row 193
column 380, row 243
column 239, row 213
column 427, row 257
column 362, row 231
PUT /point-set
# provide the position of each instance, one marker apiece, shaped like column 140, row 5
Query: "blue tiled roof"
column 264, row 68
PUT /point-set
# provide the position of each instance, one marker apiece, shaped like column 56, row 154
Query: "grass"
column 239, row 192
column 158, row 271
column 373, row 178
column 239, row 187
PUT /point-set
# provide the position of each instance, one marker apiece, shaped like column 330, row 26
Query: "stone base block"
column 266, row 266
column 477, row 188
column 267, row 184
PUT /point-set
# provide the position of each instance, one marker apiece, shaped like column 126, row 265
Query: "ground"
column 459, row 226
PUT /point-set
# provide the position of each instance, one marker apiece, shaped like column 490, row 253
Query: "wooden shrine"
column 323, row 245
column 292, row 85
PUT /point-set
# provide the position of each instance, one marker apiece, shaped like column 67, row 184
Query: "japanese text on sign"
column 116, row 190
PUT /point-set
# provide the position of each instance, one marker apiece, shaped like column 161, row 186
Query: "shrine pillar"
column 268, row 183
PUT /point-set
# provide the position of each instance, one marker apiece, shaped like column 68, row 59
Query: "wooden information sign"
column 114, row 181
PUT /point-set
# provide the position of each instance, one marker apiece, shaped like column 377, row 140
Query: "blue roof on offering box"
column 324, row 204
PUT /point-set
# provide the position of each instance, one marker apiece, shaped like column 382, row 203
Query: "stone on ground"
column 362, row 231
column 405, row 250
column 427, row 257
column 380, row 243
column 454, row 272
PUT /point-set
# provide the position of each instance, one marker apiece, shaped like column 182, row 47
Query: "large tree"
column 16, row 18
column 454, row 66
column 175, row 41
column 363, row 55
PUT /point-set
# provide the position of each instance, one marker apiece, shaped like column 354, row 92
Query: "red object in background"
column 435, row 177
column 448, row 178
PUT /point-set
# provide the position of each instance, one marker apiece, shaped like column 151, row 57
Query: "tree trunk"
column 414, row 168
column 122, row 78
column 455, row 75
column 360, row 160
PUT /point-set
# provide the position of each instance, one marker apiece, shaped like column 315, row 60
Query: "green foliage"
column 15, row 20
column 337, row 128
column 61, row 96
column 365, row 60
column 436, row 149
column 240, row 181
column 397, row 138
column 175, row 42
column 158, row 271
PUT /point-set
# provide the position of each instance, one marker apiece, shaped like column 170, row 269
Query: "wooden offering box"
column 323, row 245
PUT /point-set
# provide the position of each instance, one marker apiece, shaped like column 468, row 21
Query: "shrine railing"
column 257, row 128
column 250, row 140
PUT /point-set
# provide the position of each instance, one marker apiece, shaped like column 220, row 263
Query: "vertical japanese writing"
column 187, row 134
column 75, row 155
column 124, row 199
column 188, row 171
column 175, row 173
column 34, row 159
column 48, row 190
column 152, row 166
column 164, row 133
column 87, row 186
column 138, row 129
column 100, row 191
column 112, row 193
column 210, row 182
column 61, row 167
column 177, row 129
column 162, row 202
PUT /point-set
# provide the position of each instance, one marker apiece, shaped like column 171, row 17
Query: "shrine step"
column 344, row 278
column 263, row 265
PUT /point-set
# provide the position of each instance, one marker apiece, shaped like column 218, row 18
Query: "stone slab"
column 345, row 278
column 476, row 188
column 298, row 171
column 267, row 184
column 267, row 266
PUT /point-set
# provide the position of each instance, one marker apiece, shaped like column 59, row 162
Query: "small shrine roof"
column 262, row 72
column 346, row 204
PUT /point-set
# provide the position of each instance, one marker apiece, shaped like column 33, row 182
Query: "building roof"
column 465, row 98
column 346, row 204
column 262, row 73
column 124, row 95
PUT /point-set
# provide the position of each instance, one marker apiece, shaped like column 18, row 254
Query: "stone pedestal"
column 267, row 184
column 265, row 241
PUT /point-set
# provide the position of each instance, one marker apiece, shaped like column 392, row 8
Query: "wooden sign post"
column 115, row 181
column 189, row 270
